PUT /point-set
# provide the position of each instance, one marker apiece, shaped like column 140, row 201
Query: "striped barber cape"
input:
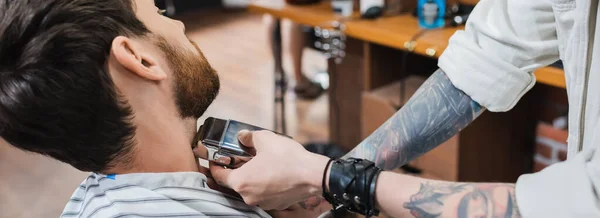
column 183, row 194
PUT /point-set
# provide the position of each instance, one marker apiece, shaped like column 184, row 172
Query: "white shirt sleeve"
column 567, row 189
column 504, row 41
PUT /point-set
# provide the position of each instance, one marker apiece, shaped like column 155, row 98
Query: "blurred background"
column 329, row 73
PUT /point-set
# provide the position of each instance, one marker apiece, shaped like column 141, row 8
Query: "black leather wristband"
column 352, row 186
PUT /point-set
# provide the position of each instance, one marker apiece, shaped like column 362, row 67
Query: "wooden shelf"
column 397, row 30
column 389, row 31
column 319, row 14
column 392, row 31
column 551, row 76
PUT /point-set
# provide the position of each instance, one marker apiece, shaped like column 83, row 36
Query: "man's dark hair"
column 57, row 97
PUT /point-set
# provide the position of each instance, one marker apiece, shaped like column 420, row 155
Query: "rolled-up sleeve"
column 504, row 41
column 567, row 189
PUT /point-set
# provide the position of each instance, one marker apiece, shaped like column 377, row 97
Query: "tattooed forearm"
column 436, row 112
column 464, row 200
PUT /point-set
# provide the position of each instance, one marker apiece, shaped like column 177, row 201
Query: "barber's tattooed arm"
column 435, row 113
column 421, row 198
column 485, row 200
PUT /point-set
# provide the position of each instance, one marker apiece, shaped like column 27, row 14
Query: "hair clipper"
column 220, row 137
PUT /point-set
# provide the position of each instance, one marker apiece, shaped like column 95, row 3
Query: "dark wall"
column 190, row 5
column 195, row 4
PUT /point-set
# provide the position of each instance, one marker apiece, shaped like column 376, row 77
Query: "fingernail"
column 243, row 131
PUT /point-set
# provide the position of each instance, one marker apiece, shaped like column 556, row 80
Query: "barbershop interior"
column 331, row 75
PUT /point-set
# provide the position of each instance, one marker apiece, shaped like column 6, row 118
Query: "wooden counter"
column 392, row 32
column 551, row 76
column 397, row 30
column 311, row 15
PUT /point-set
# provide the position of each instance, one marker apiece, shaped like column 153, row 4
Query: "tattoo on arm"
column 474, row 200
column 435, row 113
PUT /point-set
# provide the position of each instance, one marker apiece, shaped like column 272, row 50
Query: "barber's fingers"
column 213, row 184
column 221, row 175
column 258, row 140
column 200, row 151
column 245, row 138
column 240, row 161
column 204, row 171
column 210, row 180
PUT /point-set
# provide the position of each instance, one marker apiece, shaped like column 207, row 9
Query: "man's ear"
column 135, row 60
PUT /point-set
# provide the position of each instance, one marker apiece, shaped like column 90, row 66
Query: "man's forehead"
column 140, row 4
column 144, row 10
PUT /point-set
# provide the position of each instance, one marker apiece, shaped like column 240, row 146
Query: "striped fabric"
column 154, row 195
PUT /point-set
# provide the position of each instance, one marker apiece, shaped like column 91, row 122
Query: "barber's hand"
column 281, row 174
column 200, row 151
column 302, row 211
column 212, row 183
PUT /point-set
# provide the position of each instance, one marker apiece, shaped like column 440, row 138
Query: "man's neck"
column 163, row 146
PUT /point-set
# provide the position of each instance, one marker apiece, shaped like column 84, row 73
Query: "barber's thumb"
column 245, row 138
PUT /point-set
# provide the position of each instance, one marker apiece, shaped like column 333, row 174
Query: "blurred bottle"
column 431, row 13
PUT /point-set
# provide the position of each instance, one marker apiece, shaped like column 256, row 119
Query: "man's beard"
column 196, row 82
